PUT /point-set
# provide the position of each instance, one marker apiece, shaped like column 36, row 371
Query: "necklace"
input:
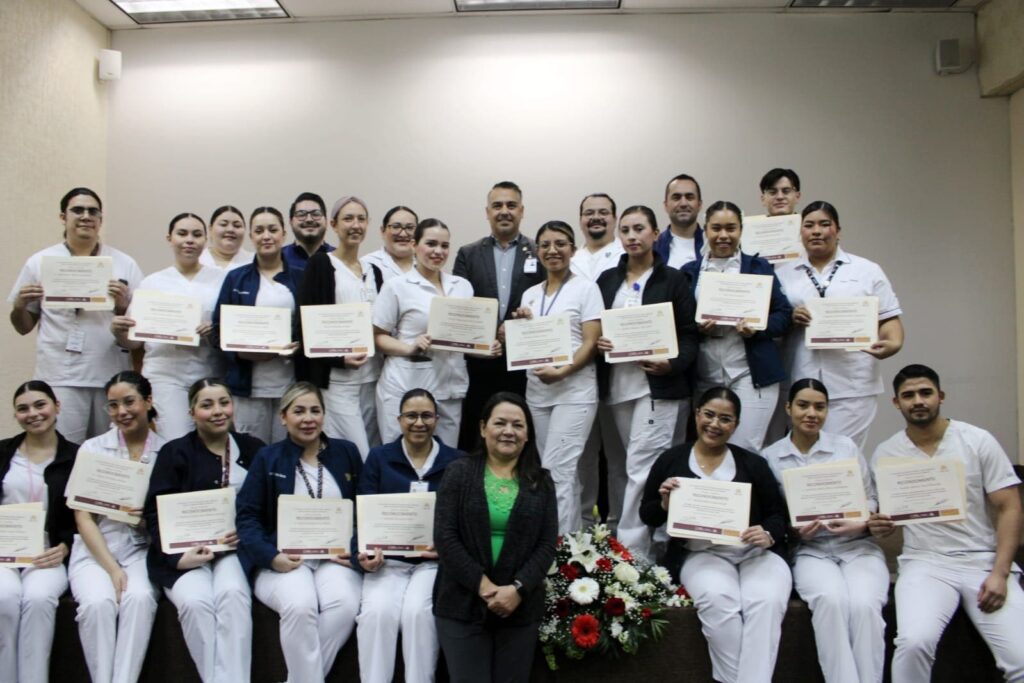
column 319, row 476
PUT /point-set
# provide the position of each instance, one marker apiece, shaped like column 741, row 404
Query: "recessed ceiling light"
column 530, row 5
column 173, row 11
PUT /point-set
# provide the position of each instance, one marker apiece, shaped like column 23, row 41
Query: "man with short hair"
column 308, row 216
column 948, row 564
column 501, row 266
column 601, row 248
column 780, row 191
column 682, row 242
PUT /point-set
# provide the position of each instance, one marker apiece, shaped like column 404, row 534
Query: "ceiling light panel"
column 173, row 11
column 532, row 5
column 873, row 4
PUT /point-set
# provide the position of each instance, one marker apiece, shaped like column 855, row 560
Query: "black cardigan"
column 318, row 289
column 665, row 285
column 183, row 465
column 767, row 506
column 60, row 520
column 462, row 535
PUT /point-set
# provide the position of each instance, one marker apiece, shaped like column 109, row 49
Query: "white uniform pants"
column 646, row 426
column 562, row 432
column 259, row 417
column 741, row 607
column 318, row 608
column 215, row 610
column 398, row 596
column 757, row 405
column 852, row 417
column 351, row 413
column 28, row 611
column 603, row 434
column 83, row 412
column 114, row 634
column 846, row 600
column 171, row 403
column 449, row 416
column 927, row 595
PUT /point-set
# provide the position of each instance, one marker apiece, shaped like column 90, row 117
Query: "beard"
column 310, row 239
column 921, row 418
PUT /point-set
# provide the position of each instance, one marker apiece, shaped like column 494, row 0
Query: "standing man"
column 968, row 563
column 682, row 242
column 308, row 217
column 780, row 191
column 602, row 247
column 500, row 266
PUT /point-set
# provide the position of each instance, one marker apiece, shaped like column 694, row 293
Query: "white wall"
column 430, row 113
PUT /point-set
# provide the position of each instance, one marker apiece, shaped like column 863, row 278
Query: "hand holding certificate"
column 730, row 298
column 640, row 333
column 165, row 318
column 466, row 325
column 108, row 486
column 77, row 282
column 194, row 519
column 850, row 323
column 337, row 330
column 256, row 329
column 776, row 239
column 716, row 511
column 825, row 492
column 22, row 534
column 314, row 528
column 924, row 491
column 399, row 524
column 539, row 341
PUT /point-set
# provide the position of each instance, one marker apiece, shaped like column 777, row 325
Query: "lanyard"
column 319, row 478
column 817, row 285
column 544, row 294
column 225, row 466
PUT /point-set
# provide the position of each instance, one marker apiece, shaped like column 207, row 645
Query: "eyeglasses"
column 557, row 244
column 774, row 191
column 86, row 210
column 401, row 227
column 128, row 402
column 315, row 213
column 711, row 416
column 426, row 416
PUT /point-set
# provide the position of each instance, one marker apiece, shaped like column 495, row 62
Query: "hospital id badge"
column 419, row 487
column 76, row 340
column 530, row 265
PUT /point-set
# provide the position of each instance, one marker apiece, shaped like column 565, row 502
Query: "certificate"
column 640, row 333
column 728, row 298
column 924, row 491
column 196, row 518
column 850, row 323
column 716, row 511
column 400, row 524
column 337, row 330
column 833, row 490
column 108, row 486
column 313, row 528
column 165, row 318
column 541, row 341
column 255, row 328
column 22, row 535
column 467, row 325
column 776, row 239
column 77, row 282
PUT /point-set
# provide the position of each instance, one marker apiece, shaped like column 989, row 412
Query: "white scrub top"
column 383, row 260
column 628, row 381
column 24, row 483
column 590, row 265
column 349, row 288
column 271, row 378
column 726, row 471
column 722, row 355
column 242, row 257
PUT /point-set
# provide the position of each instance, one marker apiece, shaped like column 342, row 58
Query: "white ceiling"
column 319, row 10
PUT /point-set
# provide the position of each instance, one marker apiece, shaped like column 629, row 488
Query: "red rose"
column 646, row 613
column 615, row 607
column 586, row 631
column 569, row 572
column 604, row 564
column 615, row 545
column 562, row 608
column 625, row 555
column 681, row 592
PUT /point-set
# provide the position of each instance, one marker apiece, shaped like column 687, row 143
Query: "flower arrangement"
column 600, row 598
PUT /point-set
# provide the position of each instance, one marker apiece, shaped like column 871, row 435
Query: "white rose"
column 626, row 573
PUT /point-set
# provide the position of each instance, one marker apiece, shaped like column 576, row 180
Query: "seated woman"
column 398, row 594
column 839, row 570
column 34, row 468
column 209, row 589
column 495, row 528
column 740, row 591
column 317, row 599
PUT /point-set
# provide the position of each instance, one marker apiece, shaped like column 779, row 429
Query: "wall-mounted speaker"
column 950, row 58
column 110, row 65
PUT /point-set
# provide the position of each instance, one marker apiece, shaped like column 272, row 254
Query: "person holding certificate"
column 75, row 353
column 116, row 601
column 34, row 468
column 227, row 235
column 172, row 368
column 398, row 594
column 395, row 257
column 349, row 382
column 854, row 378
column 400, row 318
column 741, row 591
column 645, row 396
column 563, row 399
column 209, row 589
column 949, row 564
column 839, row 569
column 257, row 380
column 317, row 599
column 496, row 529
column 739, row 357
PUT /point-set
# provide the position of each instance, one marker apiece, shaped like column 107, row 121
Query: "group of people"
column 396, row 422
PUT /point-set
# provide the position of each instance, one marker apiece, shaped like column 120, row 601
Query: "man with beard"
column 682, row 242
column 967, row 563
column 602, row 248
column 780, row 191
column 500, row 266
column 308, row 217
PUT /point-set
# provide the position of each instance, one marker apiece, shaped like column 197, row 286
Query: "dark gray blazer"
column 462, row 535
column 475, row 262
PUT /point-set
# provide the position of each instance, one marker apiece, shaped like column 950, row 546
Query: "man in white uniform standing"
column 948, row 564
column 682, row 242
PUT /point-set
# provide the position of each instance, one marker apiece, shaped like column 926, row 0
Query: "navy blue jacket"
column 240, row 288
column 183, row 465
column 297, row 257
column 763, row 355
column 663, row 246
column 271, row 474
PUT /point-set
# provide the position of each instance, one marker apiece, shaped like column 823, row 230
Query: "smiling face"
column 36, row 412
column 417, row 420
column 820, row 235
column 304, row 419
column 716, row 422
column 505, row 432
column 808, row 411
column 723, row 232
column 682, row 203
column 212, row 411
column 397, row 234
column 504, row 212
column 267, row 234
column 432, row 249
column 83, row 218
column 309, row 223
column 350, row 224
column 555, row 250
column 187, row 240
column 127, row 408
column 597, row 219
column 637, row 234
column 781, row 198
column 227, row 233
column 919, row 400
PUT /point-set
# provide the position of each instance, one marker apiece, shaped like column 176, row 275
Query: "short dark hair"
column 529, row 471
column 183, row 216
column 722, row 205
column 266, row 209
column 915, row 371
column 599, row 195
column 395, row 209
column 308, row 197
column 645, row 210
column 425, row 225
column 776, row 174
column 227, row 208
column 721, row 392
column 507, row 185
column 820, row 205
column 683, row 176
column 74, row 192
column 806, row 383
column 560, row 227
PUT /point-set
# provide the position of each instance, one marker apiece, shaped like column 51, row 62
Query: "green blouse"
column 501, row 496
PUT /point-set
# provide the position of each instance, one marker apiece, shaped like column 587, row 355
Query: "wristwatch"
column 770, row 538
column 520, row 588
